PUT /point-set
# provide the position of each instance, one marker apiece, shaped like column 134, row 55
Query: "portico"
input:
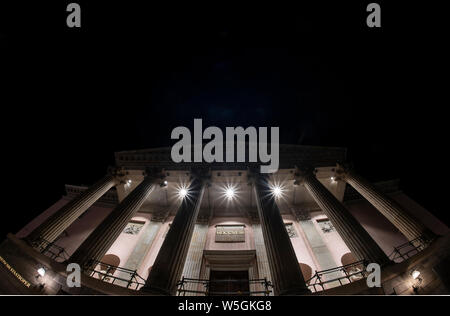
column 175, row 222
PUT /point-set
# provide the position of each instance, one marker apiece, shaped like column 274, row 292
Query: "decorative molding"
column 203, row 218
column 160, row 216
column 303, row 212
column 291, row 230
column 229, row 259
column 290, row 156
column 326, row 226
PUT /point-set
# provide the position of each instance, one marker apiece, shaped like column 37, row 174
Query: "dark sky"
column 71, row 97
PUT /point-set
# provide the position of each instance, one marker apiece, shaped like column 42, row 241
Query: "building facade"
column 153, row 227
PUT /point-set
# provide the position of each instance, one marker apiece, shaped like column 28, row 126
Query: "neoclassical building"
column 153, row 227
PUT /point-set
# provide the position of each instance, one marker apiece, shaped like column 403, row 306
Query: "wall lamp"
column 417, row 280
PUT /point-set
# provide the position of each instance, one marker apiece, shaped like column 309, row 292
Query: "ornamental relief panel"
column 230, row 233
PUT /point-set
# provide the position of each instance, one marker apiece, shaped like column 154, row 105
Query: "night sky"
column 70, row 98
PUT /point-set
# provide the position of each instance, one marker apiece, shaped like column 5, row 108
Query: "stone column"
column 357, row 239
column 261, row 255
column 101, row 239
column 287, row 277
column 194, row 257
column 401, row 219
column 53, row 226
column 168, row 266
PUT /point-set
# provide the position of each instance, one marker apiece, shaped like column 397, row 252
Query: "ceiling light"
column 277, row 191
column 229, row 193
column 182, row 192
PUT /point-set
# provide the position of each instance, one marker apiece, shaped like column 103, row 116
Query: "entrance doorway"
column 229, row 283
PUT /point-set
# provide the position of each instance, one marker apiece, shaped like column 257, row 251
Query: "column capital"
column 342, row 170
column 157, row 174
column 202, row 174
column 253, row 175
column 118, row 173
column 160, row 216
column 302, row 173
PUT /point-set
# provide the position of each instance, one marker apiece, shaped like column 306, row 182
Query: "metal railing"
column 409, row 249
column 115, row 275
column 186, row 285
column 325, row 279
column 52, row 250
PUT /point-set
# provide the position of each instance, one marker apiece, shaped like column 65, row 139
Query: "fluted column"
column 357, row 239
column 287, row 277
column 407, row 224
column 168, row 266
column 53, row 226
column 101, row 239
column 261, row 255
column 194, row 256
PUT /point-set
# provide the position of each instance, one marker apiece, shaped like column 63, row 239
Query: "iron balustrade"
column 355, row 271
column 318, row 282
column 182, row 291
column 338, row 276
column 115, row 275
column 52, row 250
column 409, row 249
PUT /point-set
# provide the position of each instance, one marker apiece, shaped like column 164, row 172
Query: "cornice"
column 290, row 156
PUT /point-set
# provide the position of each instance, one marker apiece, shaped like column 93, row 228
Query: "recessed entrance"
column 229, row 283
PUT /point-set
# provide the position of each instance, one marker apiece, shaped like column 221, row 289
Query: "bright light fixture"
column 41, row 272
column 182, row 192
column 229, row 193
column 415, row 274
column 277, row 191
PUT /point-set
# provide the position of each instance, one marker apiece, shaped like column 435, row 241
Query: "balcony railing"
column 55, row 252
column 320, row 281
column 346, row 274
column 325, row 279
column 408, row 249
column 116, row 275
column 190, row 286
